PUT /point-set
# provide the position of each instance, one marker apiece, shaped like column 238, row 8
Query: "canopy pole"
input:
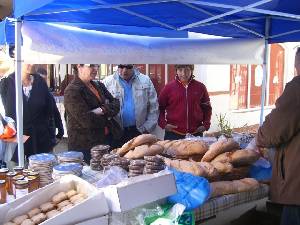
column 19, row 93
column 265, row 71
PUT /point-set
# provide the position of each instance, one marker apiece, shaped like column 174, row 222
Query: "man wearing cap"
column 184, row 105
column 138, row 101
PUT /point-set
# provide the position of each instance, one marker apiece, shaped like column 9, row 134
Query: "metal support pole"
column 19, row 93
column 265, row 71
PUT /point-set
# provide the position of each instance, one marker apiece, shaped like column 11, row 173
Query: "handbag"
column 114, row 128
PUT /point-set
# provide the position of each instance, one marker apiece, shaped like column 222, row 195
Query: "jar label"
column 21, row 192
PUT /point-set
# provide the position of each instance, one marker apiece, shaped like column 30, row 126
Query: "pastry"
column 33, row 212
column 52, row 213
column 10, row 223
column 71, row 193
column 19, row 219
column 66, row 207
column 63, row 204
column 28, row 222
column 61, row 196
column 39, row 218
column 47, row 206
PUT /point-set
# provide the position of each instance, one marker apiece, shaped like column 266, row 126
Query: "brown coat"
column 281, row 130
column 86, row 129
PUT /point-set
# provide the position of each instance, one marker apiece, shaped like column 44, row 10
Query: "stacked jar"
column 3, row 185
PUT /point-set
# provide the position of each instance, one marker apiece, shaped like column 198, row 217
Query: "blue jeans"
column 290, row 215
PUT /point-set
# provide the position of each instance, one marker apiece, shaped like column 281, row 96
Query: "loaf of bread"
column 241, row 157
column 184, row 148
column 209, row 169
column 223, row 167
column 244, row 157
column 230, row 187
column 186, row 166
column 144, row 150
column 219, row 147
column 137, row 141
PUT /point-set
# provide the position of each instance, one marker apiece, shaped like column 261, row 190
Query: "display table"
column 214, row 211
column 234, row 202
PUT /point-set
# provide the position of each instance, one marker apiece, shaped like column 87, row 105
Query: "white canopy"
column 46, row 43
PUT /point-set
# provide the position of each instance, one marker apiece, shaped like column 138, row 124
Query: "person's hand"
column 98, row 111
column 201, row 129
column 170, row 127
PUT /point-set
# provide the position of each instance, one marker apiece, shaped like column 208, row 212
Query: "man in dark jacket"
column 88, row 106
column 55, row 121
column 184, row 105
column 281, row 130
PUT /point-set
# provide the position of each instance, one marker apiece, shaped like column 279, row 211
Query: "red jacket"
column 186, row 107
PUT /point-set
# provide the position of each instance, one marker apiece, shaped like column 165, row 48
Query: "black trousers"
column 128, row 134
column 174, row 136
column 290, row 215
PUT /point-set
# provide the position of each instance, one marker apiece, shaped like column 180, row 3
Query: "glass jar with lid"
column 21, row 188
column 33, row 183
column 27, row 171
column 9, row 182
column 3, row 172
column 37, row 175
column 19, row 170
column 15, row 179
column 3, row 193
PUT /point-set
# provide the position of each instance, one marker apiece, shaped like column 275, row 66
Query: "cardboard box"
column 94, row 206
column 138, row 191
column 96, row 221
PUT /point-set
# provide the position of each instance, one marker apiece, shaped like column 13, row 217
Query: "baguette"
column 184, row 148
column 218, row 148
column 237, row 158
column 186, row 166
column 231, row 187
column 139, row 140
column 223, row 167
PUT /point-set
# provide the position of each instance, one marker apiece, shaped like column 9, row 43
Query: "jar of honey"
column 19, row 170
column 21, row 188
column 37, row 175
column 27, row 171
column 9, row 182
column 15, row 179
column 3, row 192
column 3, row 172
column 33, row 183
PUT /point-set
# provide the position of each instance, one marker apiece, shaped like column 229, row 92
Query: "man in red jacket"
column 184, row 105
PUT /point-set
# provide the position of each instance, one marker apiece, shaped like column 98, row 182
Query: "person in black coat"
column 37, row 108
column 55, row 120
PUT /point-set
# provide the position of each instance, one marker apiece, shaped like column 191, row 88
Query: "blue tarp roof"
column 229, row 18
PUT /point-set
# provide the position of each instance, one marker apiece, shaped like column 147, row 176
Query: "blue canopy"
column 275, row 20
column 7, row 32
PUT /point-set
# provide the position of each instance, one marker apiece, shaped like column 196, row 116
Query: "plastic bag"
column 192, row 191
column 112, row 176
column 172, row 216
column 7, row 127
column 261, row 170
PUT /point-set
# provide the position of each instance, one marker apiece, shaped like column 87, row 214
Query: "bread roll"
column 139, row 140
column 218, row 148
column 19, row 219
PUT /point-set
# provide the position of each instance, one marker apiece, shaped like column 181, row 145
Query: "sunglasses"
column 129, row 66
